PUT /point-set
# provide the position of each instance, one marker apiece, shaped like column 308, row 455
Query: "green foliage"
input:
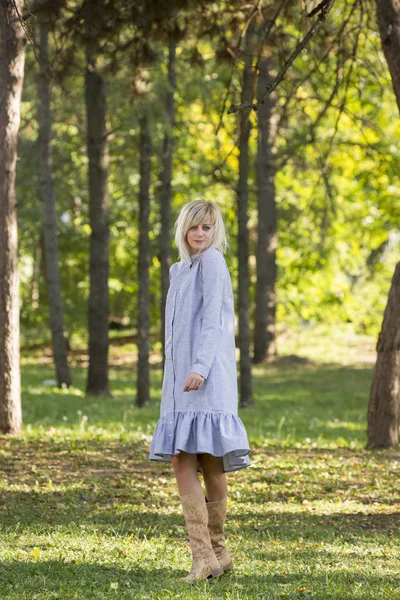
column 337, row 182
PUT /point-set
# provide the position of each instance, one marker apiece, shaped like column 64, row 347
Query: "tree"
column 265, row 309
column 12, row 58
column 383, row 410
column 98, row 154
column 143, row 381
column 246, row 385
column 51, row 249
column 388, row 14
column 166, row 187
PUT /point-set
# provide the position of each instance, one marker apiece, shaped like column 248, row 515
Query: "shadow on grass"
column 88, row 580
column 110, row 483
column 78, row 579
column 118, row 512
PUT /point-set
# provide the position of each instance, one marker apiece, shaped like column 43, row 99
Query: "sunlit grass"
column 338, row 345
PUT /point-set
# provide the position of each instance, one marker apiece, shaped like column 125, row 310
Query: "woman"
column 199, row 428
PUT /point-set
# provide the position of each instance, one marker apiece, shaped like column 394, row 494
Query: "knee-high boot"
column 216, row 522
column 205, row 564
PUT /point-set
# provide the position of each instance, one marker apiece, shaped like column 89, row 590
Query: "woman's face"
column 199, row 237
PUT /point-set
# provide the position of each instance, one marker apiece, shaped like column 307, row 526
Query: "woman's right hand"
column 194, row 381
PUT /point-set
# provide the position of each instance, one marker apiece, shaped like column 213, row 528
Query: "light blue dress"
column 200, row 337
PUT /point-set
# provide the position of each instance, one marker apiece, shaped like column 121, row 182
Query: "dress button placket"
column 171, row 423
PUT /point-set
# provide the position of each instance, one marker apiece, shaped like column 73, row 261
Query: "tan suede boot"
column 205, row 564
column 216, row 522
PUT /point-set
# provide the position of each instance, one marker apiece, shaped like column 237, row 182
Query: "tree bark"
column 265, row 310
column 143, row 381
column 388, row 14
column 383, row 410
column 97, row 145
column 12, row 58
column 51, row 250
column 166, row 189
column 245, row 384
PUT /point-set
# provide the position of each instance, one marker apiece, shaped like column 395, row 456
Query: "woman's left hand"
column 194, row 381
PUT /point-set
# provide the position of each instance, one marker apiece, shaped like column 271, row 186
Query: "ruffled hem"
column 197, row 432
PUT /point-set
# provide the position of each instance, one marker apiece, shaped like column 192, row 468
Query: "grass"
column 85, row 515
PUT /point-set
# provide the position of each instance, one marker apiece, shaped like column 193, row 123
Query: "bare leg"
column 185, row 468
column 214, row 477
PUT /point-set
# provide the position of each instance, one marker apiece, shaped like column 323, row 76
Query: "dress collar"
column 194, row 258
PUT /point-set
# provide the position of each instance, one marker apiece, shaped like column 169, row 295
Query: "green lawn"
column 84, row 515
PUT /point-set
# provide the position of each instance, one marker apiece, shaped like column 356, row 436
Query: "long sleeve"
column 213, row 277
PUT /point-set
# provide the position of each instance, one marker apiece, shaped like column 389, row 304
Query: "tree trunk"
column 143, row 384
column 383, row 410
column 97, row 145
column 166, row 189
column 12, row 58
column 388, row 13
column 246, row 384
column 51, row 251
column 264, row 321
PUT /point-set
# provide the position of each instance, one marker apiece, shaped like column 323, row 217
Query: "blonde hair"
column 192, row 214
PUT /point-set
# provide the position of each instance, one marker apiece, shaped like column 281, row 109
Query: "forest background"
column 128, row 111
column 337, row 172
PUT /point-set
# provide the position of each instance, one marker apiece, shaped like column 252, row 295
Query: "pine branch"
column 323, row 9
